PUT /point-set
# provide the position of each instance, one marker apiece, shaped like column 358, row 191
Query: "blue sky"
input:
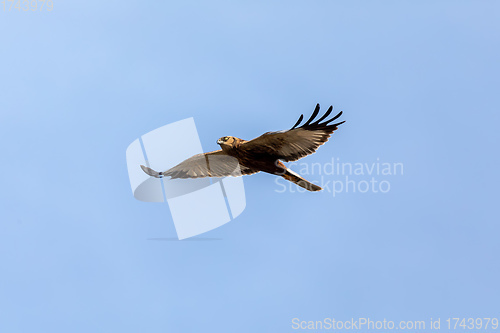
column 418, row 83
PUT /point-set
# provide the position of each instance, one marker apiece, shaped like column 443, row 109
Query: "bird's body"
column 248, row 157
column 264, row 153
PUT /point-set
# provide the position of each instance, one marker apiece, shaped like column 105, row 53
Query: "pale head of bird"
column 227, row 142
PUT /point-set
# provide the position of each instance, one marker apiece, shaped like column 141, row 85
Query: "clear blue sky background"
column 418, row 83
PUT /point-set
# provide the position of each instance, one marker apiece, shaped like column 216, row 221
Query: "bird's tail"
column 295, row 178
column 151, row 172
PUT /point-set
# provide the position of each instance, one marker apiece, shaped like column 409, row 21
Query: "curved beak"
column 219, row 141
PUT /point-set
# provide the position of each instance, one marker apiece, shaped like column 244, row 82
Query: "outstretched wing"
column 212, row 164
column 297, row 142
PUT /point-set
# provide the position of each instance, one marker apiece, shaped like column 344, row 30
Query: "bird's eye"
column 226, row 138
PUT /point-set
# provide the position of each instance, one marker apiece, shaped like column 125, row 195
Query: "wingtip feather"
column 298, row 121
column 314, row 114
column 334, row 118
column 151, row 172
column 327, row 113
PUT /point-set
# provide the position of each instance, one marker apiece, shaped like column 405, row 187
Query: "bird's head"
column 228, row 142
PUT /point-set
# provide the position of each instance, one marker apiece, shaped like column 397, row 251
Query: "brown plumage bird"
column 263, row 153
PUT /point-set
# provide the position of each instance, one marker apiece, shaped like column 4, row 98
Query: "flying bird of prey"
column 264, row 153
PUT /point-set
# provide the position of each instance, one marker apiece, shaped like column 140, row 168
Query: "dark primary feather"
column 315, row 113
column 298, row 121
column 296, row 142
column 318, row 123
column 327, row 113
